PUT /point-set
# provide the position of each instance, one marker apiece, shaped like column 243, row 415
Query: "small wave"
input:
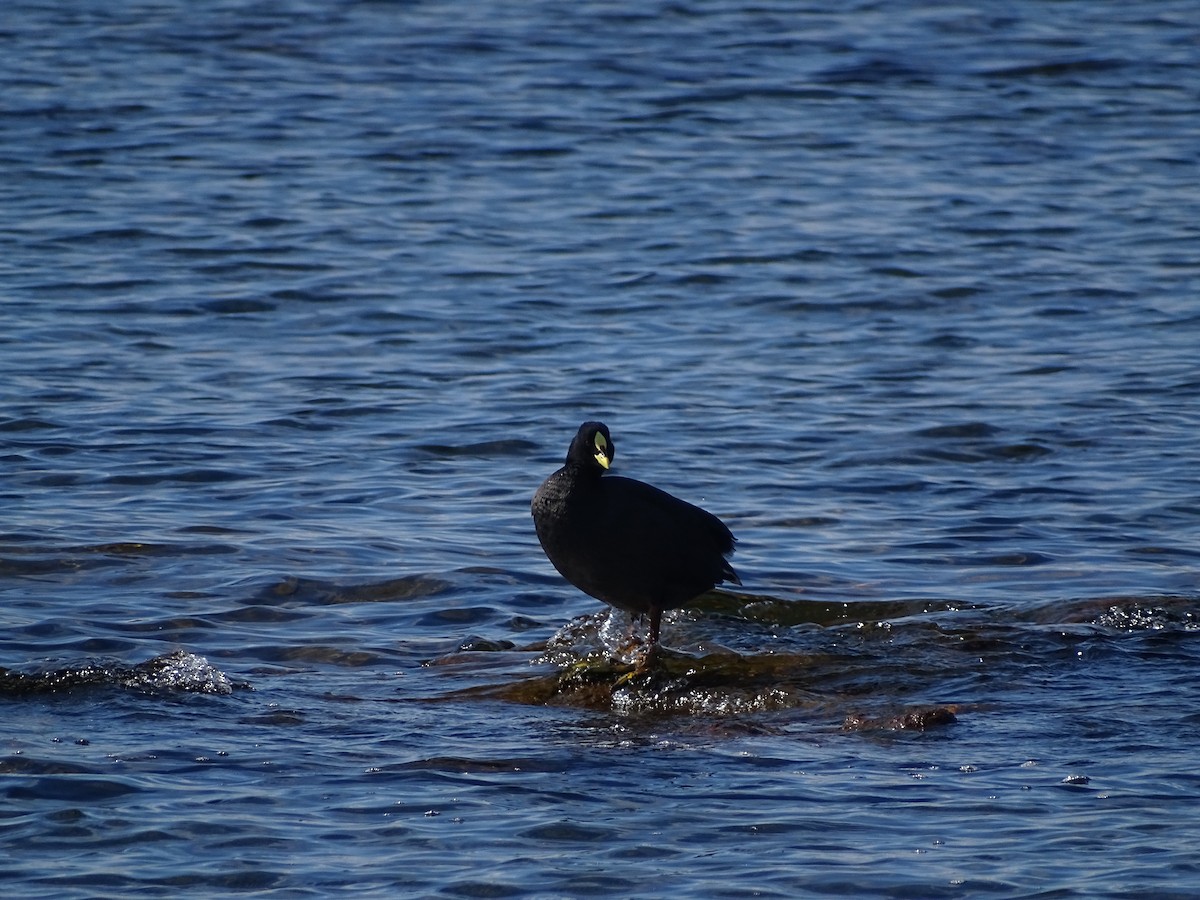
column 295, row 591
column 177, row 671
column 1156, row 615
column 1120, row 614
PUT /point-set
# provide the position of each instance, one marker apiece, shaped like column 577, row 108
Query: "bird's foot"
column 642, row 668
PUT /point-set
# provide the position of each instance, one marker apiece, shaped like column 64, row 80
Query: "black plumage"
column 623, row 541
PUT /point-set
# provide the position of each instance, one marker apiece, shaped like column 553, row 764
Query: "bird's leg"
column 645, row 660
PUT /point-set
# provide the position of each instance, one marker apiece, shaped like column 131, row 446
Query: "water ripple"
column 301, row 302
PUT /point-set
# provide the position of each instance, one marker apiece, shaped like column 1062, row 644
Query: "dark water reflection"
column 300, row 303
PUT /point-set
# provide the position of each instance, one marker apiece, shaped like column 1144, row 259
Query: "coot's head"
column 592, row 447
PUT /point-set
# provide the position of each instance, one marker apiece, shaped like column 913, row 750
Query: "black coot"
column 624, row 542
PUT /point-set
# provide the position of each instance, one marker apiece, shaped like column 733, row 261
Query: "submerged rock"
column 917, row 719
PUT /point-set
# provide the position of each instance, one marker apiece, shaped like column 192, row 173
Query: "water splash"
column 176, row 671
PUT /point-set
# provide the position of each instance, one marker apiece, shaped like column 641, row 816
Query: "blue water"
column 300, row 302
